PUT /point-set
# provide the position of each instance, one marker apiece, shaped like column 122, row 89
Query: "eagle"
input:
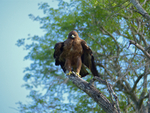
column 74, row 55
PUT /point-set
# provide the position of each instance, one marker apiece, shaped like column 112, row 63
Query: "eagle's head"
column 73, row 35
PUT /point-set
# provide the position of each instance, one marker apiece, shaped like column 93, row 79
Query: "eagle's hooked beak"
column 72, row 36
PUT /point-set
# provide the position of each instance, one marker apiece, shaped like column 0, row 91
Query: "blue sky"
column 15, row 24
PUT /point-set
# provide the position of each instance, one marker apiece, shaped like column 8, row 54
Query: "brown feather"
column 88, row 59
column 58, row 50
column 74, row 54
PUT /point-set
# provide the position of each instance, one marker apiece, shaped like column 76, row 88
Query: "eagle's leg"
column 68, row 67
column 79, row 64
column 69, row 73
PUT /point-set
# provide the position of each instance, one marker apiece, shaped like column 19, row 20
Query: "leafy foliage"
column 107, row 26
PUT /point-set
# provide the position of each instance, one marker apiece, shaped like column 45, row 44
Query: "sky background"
column 15, row 24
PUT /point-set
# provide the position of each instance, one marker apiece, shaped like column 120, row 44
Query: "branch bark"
column 140, row 9
column 95, row 94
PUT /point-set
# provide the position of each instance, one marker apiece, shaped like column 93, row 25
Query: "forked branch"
column 140, row 47
column 94, row 93
column 140, row 9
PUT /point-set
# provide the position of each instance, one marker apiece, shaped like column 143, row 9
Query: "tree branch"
column 95, row 94
column 108, row 33
column 111, row 92
column 140, row 34
column 140, row 9
column 136, row 82
column 140, row 47
column 148, row 103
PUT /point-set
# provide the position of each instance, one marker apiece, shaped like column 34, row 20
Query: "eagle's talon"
column 78, row 75
column 69, row 73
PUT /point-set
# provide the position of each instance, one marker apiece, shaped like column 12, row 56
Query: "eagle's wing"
column 58, row 50
column 88, row 58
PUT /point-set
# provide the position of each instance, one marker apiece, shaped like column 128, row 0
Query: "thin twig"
column 140, row 47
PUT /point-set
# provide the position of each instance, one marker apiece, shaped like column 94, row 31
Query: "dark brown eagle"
column 74, row 55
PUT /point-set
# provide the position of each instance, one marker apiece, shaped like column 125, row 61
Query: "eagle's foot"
column 69, row 73
column 78, row 75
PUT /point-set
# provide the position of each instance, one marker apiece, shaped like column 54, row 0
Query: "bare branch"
column 96, row 41
column 136, row 82
column 140, row 47
column 140, row 101
column 148, row 103
column 140, row 9
column 144, row 2
column 95, row 94
column 108, row 33
column 111, row 92
column 141, row 36
column 106, row 70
